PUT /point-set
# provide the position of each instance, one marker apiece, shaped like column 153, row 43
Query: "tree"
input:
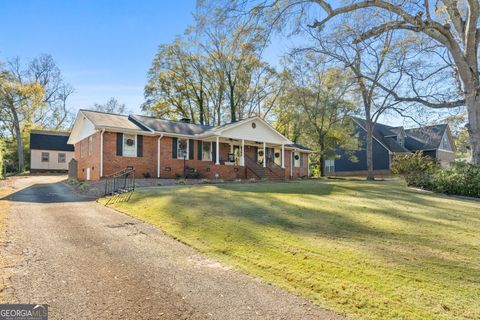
column 373, row 64
column 111, row 106
column 213, row 74
column 177, row 83
column 451, row 24
column 32, row 95
column 19, row 102
column 316, row 104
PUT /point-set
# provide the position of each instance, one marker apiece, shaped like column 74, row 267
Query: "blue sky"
column 104, row 48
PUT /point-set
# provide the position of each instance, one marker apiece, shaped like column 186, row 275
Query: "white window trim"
column 123, row 145
column 211, row 151
column 90, row 145
column 179, row 157
column 296, row 161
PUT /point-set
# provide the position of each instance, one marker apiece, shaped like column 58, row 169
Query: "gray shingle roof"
column 170, row 126
column 298, row 146
column 110, row 120
column 381, row 132
column 425, row 138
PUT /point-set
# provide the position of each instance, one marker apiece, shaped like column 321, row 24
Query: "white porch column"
column 242, row 158
column 283, row 156
column 217, row 151
column 264, row 155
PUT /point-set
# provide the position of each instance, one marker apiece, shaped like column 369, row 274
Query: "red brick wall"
column 91, row 161
column 295, row 172
column 143, row 165
column 169, row 167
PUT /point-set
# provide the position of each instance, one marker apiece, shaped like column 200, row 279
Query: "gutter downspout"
column 158, row 155
column 101, row 152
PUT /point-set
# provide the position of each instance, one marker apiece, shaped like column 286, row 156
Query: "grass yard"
column 368, row 250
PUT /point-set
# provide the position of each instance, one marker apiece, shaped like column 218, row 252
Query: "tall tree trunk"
column 233, row 114
column 473, row 108
column 322, row 156
column 18, row 137
column 370, row 175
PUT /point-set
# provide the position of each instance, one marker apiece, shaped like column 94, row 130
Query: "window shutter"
column 174, row 148
column 191, row 151
column 214, row 152
column 139, row 146
column 119, row 143
column 199, row 149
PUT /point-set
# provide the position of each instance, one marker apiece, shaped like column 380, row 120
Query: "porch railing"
column 120, row 182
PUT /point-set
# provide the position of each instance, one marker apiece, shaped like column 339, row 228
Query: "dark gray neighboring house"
column 435, row 141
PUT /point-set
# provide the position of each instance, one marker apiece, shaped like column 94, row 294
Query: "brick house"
column 106, row 143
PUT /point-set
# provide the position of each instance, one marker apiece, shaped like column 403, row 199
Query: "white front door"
column 88, row 173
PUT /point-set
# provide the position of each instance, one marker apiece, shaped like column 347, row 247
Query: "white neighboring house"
column 49, row 151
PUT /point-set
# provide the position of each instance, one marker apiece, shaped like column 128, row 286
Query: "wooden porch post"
column 242, row 159
column 264, row 155
column 283, row 156
column 217, row 160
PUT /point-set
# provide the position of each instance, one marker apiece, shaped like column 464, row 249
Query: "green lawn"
column 369, row 250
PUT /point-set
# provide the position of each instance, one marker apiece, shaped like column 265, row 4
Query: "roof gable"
column 425, row 138
column 254, row 129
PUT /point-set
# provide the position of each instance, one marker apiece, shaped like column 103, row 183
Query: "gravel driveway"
column 90, row 262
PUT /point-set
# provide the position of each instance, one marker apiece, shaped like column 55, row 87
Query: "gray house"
column 435, row 141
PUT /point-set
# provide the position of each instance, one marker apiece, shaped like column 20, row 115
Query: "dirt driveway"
column 90, row 262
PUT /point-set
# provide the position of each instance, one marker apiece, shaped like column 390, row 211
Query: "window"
column 129, row 145
column 62, row 158
column 207, row 150
column 90, row 145
column 329, row 166
column 182, row 148
column 45, row 157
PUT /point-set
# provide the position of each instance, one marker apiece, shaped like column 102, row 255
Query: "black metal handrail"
column 120, row 182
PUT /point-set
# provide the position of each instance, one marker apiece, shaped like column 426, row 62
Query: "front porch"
column 244, row 159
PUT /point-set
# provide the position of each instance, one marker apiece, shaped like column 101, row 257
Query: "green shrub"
column 423, row 172
column 460, row 178
column 415, row 167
